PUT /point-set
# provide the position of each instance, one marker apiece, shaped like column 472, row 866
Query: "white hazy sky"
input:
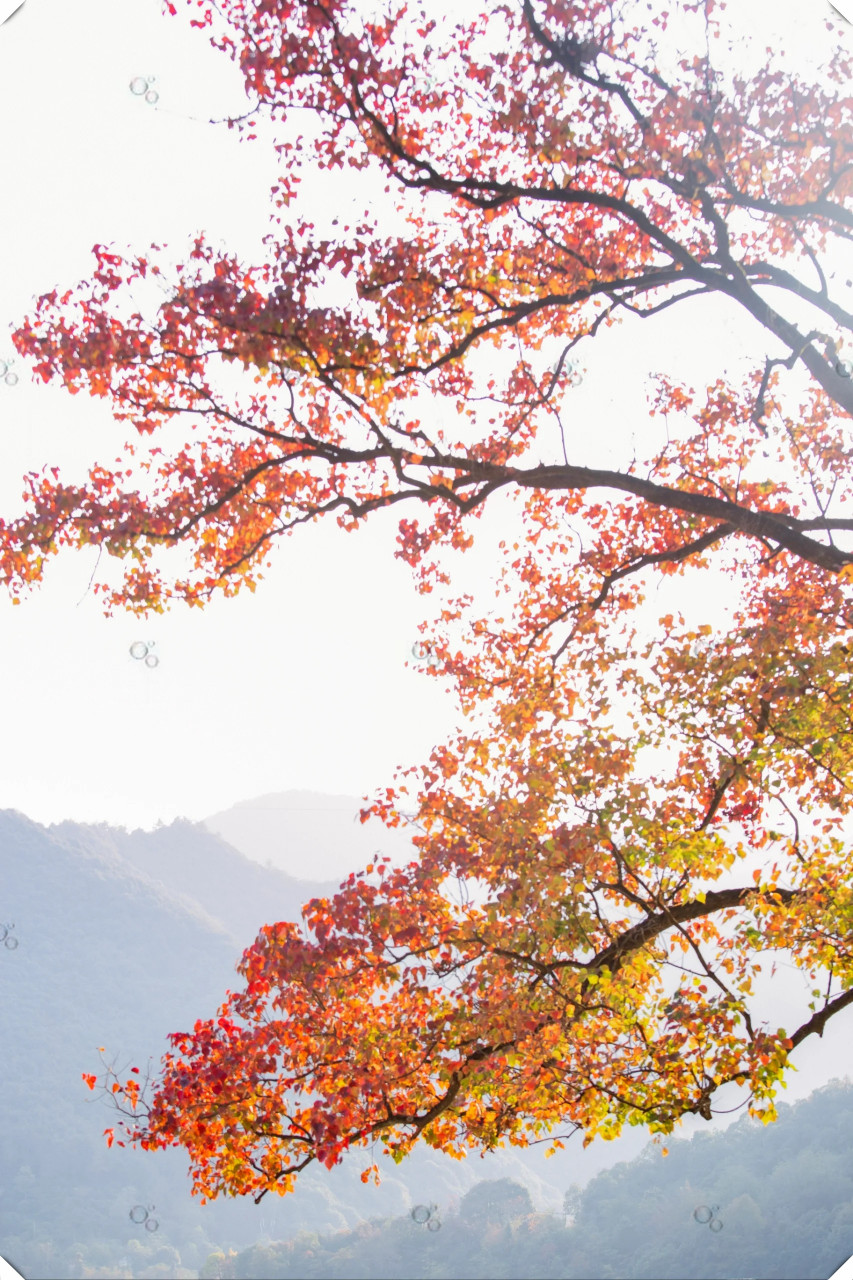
column 303, row 684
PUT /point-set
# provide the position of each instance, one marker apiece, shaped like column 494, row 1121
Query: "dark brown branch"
column 759, row 524
column 639, row 935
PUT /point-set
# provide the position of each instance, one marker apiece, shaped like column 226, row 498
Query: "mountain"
column 124, row 937
column 309, row 834
column 205, row 873
column 771, row 1203
column 108, row 957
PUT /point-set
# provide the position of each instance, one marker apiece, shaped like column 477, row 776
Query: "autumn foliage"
column 638, row 818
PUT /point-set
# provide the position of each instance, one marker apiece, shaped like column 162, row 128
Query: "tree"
column 496, row 1200
column 555, row 167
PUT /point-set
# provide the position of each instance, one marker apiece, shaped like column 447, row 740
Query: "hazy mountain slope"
column 783, row 1194
column 116, row 949
column 105, row 957
column 309, row 834
column 780, row 1199
column 201, row 868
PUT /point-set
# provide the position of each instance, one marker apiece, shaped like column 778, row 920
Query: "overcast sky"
column 303, row 684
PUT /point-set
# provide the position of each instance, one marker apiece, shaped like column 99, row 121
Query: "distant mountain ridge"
column 205, row 872
column 125, row 937
column 309, row 834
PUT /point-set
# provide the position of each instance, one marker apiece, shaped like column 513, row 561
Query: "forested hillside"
column 122, row 938
column 125, row 936
column 767, row 1203
column 106, row 956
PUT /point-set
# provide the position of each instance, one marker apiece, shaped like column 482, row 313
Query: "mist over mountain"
column 206, row 874
column 310, row 835
column 124, row 937
column 771, row 1203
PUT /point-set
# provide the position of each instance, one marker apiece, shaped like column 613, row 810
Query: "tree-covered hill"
column 780, row 1200
column 199, row 867
column 124, row 937
column 105, row 957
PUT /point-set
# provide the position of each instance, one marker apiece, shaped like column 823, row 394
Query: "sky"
column 304, row 684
